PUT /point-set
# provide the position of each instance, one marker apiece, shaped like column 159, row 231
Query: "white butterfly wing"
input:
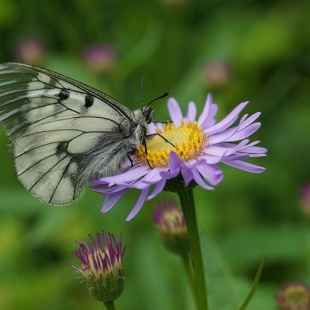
column 31, row 94
column 63, row 132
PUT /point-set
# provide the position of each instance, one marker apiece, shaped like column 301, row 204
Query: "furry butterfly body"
column 63, row 132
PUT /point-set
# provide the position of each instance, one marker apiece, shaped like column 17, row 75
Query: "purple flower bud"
column 215, row 74
column 102, row 268
column 100, row 58
column 294, row 297
column 29, row 51
column 305, row 198
column 171, row 225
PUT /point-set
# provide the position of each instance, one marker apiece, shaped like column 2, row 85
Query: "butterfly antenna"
column 162, row 96
column 141, row 90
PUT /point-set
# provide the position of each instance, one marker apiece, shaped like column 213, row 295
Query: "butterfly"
column 64, row 133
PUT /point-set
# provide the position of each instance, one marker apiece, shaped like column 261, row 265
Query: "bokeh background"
column 238, row 51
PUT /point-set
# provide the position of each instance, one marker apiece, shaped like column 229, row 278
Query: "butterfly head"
column 148, row 113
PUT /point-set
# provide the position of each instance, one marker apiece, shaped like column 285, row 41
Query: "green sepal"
column 177, row 185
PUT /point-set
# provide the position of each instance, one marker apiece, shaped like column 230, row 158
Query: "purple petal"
column 174, row 161
column 151, row 127
column 256, row 151
column 152, row 177
column 233, row 148
column 244, row 133
column 175, row 111
column 205, row 113
column 111, row 200
column 111, row 190
column 212, row 160
column 222, row 135
column 250, row 120
column 210, row 120
column 211, row 173
column 191, row 112
column 138, row 204
column 169, row 174
column 229, row 119
column 200, row 181
column 186, row 174
column 216, row 150
column 244, row 166
column 77, row 269
column 158, row 188
column 128, row 176
column 160, row 126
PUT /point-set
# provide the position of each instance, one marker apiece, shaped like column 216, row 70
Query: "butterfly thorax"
column 115, row 159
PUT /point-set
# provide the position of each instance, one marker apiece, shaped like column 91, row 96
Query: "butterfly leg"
column 149, row 137
column 158, row 134
column 145, row 150
column 130, row 159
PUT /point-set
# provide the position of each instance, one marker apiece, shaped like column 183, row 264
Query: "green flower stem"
column 109, row 305
column 189, row 211
column 188, row 270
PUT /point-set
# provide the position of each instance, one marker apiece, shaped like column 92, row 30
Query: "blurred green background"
column 238, row 50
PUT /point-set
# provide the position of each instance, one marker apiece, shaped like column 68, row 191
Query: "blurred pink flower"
column 215, row 74
column 294, row 297
column 100, row 58
column 29, row 51
column 305, row 198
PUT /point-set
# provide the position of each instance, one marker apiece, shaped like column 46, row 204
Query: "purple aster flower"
column 294, row 297
column 102, row 268
column 198, row 146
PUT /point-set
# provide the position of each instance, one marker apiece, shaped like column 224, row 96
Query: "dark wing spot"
column 64, row 94
column 89, row 100
column 62, row 147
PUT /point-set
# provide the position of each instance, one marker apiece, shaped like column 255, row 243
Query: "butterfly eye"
column 148, row 114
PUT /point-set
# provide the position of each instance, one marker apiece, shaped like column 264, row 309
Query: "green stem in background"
column 188, row 270
column 254, row 285
column 109, row 305
column 189, row 211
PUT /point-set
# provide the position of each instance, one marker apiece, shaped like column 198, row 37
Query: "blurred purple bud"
column 100, row 58
column 30, row 51
column 215, row 74
column 294, row 297
column 171, row 225
column 305, row 198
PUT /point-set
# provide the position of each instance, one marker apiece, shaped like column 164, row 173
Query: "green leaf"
column 221, row 285
column 254, row 286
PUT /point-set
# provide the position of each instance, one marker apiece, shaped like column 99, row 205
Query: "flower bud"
column 215, row 74
column 100, row 58
column 294, row 297
column 171, row 225
column 30, row 51
column 305, row 199
column 102, row 268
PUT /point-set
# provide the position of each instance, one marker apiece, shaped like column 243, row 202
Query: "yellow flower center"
column 187, row 141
